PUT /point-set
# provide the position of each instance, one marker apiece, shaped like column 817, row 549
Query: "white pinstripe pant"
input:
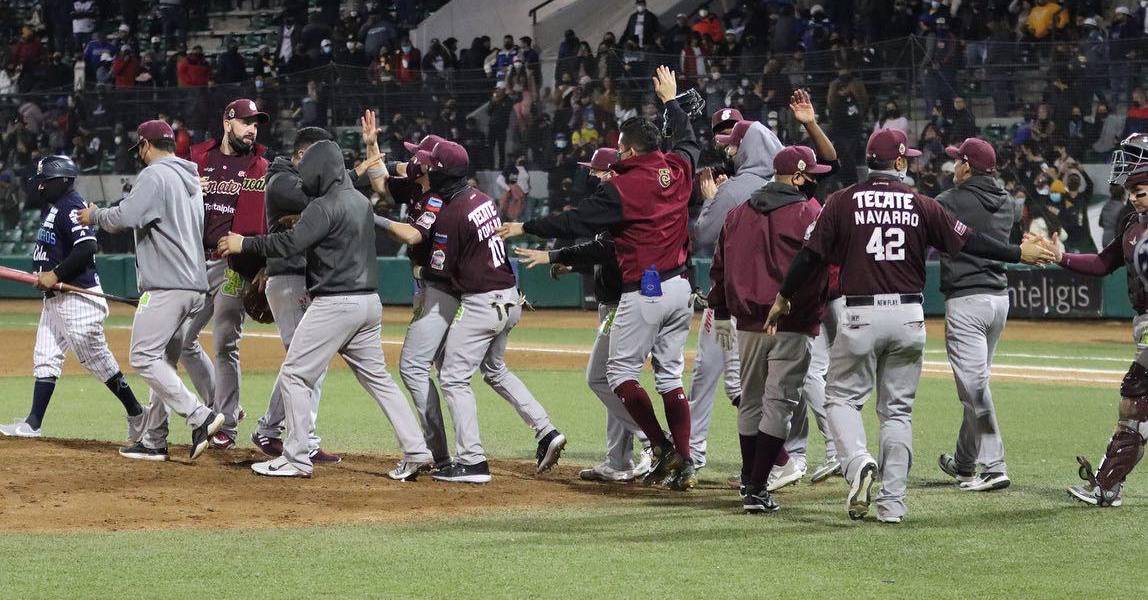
column 73, row 322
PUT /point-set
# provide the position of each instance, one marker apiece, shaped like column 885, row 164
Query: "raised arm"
column 683, row 141
column 802, row 107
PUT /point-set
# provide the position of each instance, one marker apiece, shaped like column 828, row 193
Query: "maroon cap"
column 152, row 131
column 244, row 108
column 418, row 163
column 426, row 143
column 450, row 157
column 725, row 117
column 889, row 144
column 978, row 153
column 735, row 135
column 798, row 159
column 603, row 159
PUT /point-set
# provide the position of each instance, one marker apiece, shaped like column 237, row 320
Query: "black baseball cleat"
column 201, row 436
column 460, row 473
column 758, row 502
column 683, row 478
column 861, row 492
column 665, row 460
column 549, row 450
column 138, row 451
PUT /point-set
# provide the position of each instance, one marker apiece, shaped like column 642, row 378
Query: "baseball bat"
column 28, row 278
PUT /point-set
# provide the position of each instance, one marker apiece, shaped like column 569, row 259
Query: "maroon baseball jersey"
column 1119, row 252
column 409, row 192
column 654, row 189
column 224, row 180
column 464, row 245
column 879, row 232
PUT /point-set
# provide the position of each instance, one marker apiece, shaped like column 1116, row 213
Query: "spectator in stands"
column 642, row 26
column 678, row 35
column 505, row 57
column 498, row 122
column 1075, row 200
column 407, row 64
column 931, row 144
column 193, row 70
column 1108, row 129
column 58, row 14
column 377, row 33
column 85, row 13
column 351, row 53
column 182, row 139
column 298, row 62
column 567, row 62
column 693, row 58
column 325, row 55
column 263, row 63
column 95, row 48
column 709, row 25
column 529, row 55
column 173, row 16
column 512, row 201
column 891, row 118
column 475, row 141
column 1043, row 20
column 27, row 53
column 230, row 67
column 105, row 78
column 313, row 34
column 587, row 64
column 785, row 33
column 311, row 112
column 1136, row 120
column 940, row 63
column 962, row 124
column 1125, row 38
column 8, row 80
column 382, row 70
column 1043, row 127
column 126, row 68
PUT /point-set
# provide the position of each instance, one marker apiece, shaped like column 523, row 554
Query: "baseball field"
column 76, row 520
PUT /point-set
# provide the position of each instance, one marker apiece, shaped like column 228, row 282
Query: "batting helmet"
column 1130, row 161
column 56, row 166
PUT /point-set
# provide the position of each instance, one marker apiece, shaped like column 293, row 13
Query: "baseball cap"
column 244, row 108
column 426, row 143
column 889, row 144
column 792, row 160
column 418, row 163
column 450, row 157
column 151, row 131
column 725, row 117
column 735, row 135
column 1123, row 10
column 603, row 159
column 978, row 153
column 1090, row 22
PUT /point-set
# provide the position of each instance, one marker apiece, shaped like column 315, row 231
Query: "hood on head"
column 985, row 188
column 282, row 164
column 322, row 168
column 188, row 171
column 753, row 155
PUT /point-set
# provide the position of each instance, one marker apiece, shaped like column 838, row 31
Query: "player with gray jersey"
column 63, row 253
column 336, row 232
column 165, row 211
column 878, row 231
column 976, row 308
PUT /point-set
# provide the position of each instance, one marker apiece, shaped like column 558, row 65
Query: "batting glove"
column 723, row 331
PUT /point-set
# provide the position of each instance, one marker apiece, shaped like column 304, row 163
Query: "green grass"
column 1028, row 541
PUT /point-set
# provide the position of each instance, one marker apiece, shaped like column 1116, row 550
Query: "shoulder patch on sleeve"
column 426, row 219
column 960, row 228
column 434, row 204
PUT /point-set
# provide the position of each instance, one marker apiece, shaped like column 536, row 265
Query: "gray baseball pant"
column 477, row 340
column 218, row 384
column 814, row 389
column 434, row 308
column 350, row 326
column 161, row 323
column 657, row 326
column 973, row 325
column 288, row 298
column 772, row 372
column 878, row 346
column 711, row 364
column 620, row 426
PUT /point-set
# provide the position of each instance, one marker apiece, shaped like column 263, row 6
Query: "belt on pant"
column 633, row 286
column 884, row 300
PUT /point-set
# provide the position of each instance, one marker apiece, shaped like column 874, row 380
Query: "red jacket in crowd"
column 710, row 26
column 125, row 69
column 407, row 69
column 193, row 71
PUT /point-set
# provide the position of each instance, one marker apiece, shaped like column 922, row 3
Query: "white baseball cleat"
column 828, row 469
column 861, row 491
column 408, row 470
column 1094, row 496
column 278, row 467
column 19, row 429
column 890, row 519
column 788, row 474
column 948, row 466
column 986, row 482
column 645, row 463
column 604, row 472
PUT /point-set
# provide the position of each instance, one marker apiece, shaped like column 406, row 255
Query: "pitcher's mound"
column 76, row 485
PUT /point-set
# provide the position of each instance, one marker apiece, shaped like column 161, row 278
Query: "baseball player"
column 232, row 171
column 345, row 315
column 755, row 247
column 287, row 290
column 63, row 253
column 1126, row 446
column 645, row 208
column 976, row 308
column 751, row 146
column 598, row 254
column 878, row 231
column 165, row 211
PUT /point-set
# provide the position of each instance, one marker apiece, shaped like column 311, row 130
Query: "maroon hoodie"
column 756, row 245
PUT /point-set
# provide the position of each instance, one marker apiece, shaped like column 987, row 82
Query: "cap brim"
column 582, row 164
column 725, row 140
column 720, row 125
column 263, row 118
column 412, row 148
column 953, row 152
column 819, row 169
column 912, row 152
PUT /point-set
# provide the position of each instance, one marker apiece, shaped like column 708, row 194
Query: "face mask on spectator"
column 1054, row 197
column 703, row 13
column 406, row 47
column 560, row 144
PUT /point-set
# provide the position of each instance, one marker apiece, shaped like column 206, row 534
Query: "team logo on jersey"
column 241, row 174
column 253, row 184
column 426, row 219
column 664, row 177
column 437, row 260
column 434, row 204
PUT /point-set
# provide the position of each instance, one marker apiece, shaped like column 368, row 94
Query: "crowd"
column 1070, row 71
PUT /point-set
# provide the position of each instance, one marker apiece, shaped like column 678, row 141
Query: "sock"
column 765, row 457
column 678, row 416
column 41, row 396
column 748, row 450
column 120, row 388
column 782, row 458
column 637, row 403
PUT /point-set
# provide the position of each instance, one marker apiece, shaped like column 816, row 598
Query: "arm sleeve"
column 983, row 246
column 806, row 263
column 1106, row 262
column 138, row 209
column 710, row 220
column 684, row 142
column 945, row 232
column 587, row 254
column 716, row 297
column 313, row 226
column 76, row 260
column 594, row 214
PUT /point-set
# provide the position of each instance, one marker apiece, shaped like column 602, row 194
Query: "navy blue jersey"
column 59, row 232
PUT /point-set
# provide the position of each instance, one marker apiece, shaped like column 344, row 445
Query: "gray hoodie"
column 754, row 164
column 336, row 230
column 165, row 209
column 983, row 205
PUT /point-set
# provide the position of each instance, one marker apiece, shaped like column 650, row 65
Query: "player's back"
column 465, row 246
column 879, row 231
column 655, row 191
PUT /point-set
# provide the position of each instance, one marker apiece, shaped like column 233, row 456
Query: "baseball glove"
column 692, row 103
column 255, row 305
